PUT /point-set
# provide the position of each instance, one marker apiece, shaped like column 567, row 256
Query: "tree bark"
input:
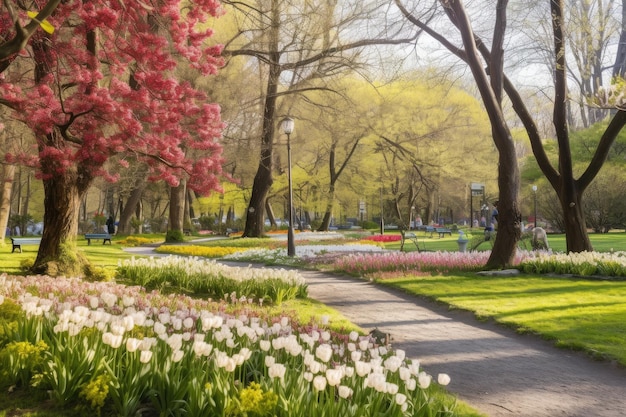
column 63, row 193
column 263, row 179
column 8, row 174
column 329, row 209
column 270, row 213
column 177, row 207
column 130, row 208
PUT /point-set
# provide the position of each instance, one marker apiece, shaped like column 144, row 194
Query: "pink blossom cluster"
column 367, row 263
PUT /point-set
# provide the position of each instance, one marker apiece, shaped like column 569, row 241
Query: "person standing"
column 111, row 225
column 494, row 215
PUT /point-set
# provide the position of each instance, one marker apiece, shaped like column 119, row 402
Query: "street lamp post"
column 535, row 193
column 287, row 126
column 382, row 221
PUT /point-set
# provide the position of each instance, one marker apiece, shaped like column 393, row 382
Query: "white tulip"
column 443, row 379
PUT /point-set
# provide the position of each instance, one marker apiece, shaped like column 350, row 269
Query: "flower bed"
column 383, row 238
column 207, row 277
column 117, row 350
column 583, row 264
column 364, row 263
column 195, row 250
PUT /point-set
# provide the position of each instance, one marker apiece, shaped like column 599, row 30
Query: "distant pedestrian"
column 494, row 214
column 111, row 225
column 540, row 239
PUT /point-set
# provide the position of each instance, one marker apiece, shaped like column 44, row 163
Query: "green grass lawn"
column 601, row 242
column 588, row 315
column 105, row 256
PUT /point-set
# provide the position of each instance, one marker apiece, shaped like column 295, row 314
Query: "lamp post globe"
column 287, row 126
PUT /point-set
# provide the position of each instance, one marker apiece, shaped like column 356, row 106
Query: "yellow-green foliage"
column 138, row 241
column 96, row 391
column 19, row 360
column 204, row 251
column 253, row 402
column 98, row 274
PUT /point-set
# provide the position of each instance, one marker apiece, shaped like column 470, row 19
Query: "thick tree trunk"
column 8, row 174
column 576, row 236
column 62, row 197
column 177, row 207
column 509, row 213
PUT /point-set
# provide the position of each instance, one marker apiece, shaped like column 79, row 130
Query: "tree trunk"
column 263, row 179
column 63, row 193
column 177, row 208
column 329, row 210
column 576, row 236
column 509, row 213
column 270, row 213
column 130, row 208
column 8, row 174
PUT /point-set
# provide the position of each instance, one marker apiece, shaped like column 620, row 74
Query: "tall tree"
column 103, row 84
column 490, row 86
column 295, row 42
column 569, row 189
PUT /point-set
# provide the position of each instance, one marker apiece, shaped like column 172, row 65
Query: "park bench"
column 96, row 236
column 442, row 231
column 412, row 237
column 17, row 242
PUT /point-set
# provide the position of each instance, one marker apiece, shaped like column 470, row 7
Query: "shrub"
column 174, row 236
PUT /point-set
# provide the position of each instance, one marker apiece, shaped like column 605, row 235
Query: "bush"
column 370, row 225
column 97, row 274
column 174, row 236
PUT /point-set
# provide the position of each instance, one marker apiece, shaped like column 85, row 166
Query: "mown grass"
column 601, row 242
column 105, row 256
column 579, row 314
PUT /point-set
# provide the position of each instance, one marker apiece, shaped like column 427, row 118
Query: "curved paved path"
column 497, row 371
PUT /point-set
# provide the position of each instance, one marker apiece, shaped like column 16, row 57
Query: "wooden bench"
column 96, row 236
column 410, row 236
column 442, row 231
column 17, row 242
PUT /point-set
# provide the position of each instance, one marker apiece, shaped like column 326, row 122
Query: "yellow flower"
column 194, row 250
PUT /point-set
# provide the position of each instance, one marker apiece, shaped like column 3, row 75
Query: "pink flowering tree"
column 101, row 92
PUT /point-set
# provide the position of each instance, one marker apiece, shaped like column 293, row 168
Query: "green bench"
column 17, row 242
column 97, row 236
column 442, row 231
